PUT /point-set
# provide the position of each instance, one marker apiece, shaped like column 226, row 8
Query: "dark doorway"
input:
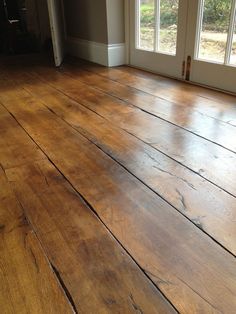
column 24, row 27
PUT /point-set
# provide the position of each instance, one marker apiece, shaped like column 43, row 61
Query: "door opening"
column 32, row 26
column 24, row 26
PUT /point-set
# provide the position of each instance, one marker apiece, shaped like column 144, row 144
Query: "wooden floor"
column 117, row 192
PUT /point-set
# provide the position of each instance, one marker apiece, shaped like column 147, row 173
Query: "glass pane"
column 233, row 51
column 147, row 24
column 213, row 35
column 168, row 26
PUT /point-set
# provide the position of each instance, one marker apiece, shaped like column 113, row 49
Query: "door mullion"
column 137, row 23
column 230, row 33
column 157, row 25
column 201, row 4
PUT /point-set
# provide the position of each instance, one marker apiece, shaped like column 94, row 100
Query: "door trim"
column 153, row 59
column 127, row 31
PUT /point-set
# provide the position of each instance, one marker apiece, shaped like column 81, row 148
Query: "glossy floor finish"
column 117, row 192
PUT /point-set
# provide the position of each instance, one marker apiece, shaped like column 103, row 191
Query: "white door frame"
column 205, row 72
column 139, row 56
column 194, row 82
column 127, row 31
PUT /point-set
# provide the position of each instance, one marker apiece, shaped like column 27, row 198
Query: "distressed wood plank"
column 179, row 186
column 16, row 148
column 217, row 105
column 126, row 286
column 193, row 272
column 190, row 117
column 96, row 270
column 184, row 147
column 27, row 281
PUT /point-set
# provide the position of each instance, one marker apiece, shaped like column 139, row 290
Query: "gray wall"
column 101, row 21
column 86, row 19
column 115, row 21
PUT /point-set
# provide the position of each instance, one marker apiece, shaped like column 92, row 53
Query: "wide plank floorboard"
column 133, row 206
column 47, row 201
column 184, row 147
column 28, row 283
column 16, row 148
column 94, row 268
column 216, row 105
column 177, row 185
column 190, row 118
column 192, row 270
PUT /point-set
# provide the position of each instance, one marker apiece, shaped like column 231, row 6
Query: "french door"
column 188, row 39
column 153, row 45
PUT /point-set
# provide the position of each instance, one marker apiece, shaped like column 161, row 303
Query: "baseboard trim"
column 108, row 55
column 116, row 55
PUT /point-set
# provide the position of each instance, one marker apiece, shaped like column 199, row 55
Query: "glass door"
column 157, row 35
column 190, row 39
column 211, row 43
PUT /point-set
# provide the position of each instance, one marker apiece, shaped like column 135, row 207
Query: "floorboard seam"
column 95, row 212
column 53, row 269
column 159, row 97
column 149, row 144
column 147, row 112
column 197, row 225
column 31, row 225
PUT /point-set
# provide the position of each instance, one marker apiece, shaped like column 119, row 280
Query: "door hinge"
column 188, row 68
column 183, row 68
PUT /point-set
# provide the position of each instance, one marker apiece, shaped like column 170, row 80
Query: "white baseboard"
column 108, row 55
column 116, row 55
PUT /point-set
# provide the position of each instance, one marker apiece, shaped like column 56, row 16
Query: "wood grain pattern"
column 108, row 280
column 90, row 145
column 97, row 272
column 222, row 100
column 184, row 147
column 190, row 269
column 216, row 105
column 176, row 184
column 191, row 118
column 27, row 281
column 15, row 146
